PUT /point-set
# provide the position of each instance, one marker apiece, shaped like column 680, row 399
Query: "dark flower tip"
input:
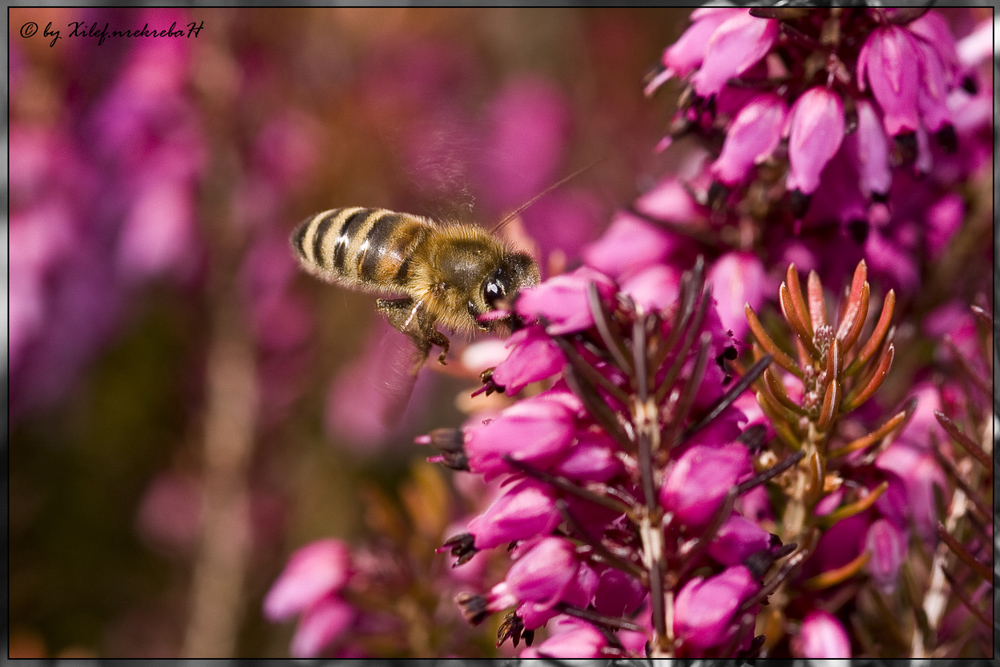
column 451, row 443
column 461, row 546
column 512, row 628
column 473, row 607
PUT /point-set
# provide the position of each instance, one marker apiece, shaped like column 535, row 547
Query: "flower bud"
column 887, row 547
column 704, row 608
column 525, row 509
column 312, row 573
column 822, row 636
column 699, row 480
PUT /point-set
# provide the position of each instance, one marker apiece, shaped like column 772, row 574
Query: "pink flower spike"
column 320, row 627
column 751, row 138
column 890, row 59
column 563, row 300
column 887, row 547
column 698, row 481
column 524, row 510
column 872, row 150
column 815, row 132
column 704, row 608
column 534, row 357
column 313, row 572
column 737, row 45
column 822, row 636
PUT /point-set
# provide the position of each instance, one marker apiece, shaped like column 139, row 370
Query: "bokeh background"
column 186, row 406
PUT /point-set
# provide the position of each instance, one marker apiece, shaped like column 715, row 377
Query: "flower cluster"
column 662, row 494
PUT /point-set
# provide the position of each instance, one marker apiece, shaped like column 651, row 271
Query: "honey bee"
column 451, row 275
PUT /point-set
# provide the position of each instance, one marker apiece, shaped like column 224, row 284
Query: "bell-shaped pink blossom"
column 680, row 58
column 629, row 246
column 739, row 43
column 871, row 151
column 312, row 573
column 544, row 572
column 618, row 594
column 699, row 480
column 537, row 431
column 533, row 356
column 737, row 539
column 591, row 458
column 920, row 473
column 822, row 636
column 569, row 638
column 887, row 546
column 890, row 62
column 320, row 626
column 932, row 29
column 654, row 288
column 751, row 138
column 932, row 95
column 525, row 509
column 737, row 279
column 562, row 301
column 704, row 608
column 815, row 131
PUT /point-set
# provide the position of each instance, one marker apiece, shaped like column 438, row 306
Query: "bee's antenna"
column 520, row 209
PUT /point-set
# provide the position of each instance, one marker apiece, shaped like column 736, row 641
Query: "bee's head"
column 515, row 271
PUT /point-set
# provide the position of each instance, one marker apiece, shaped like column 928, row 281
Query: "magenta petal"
column 536, row 430
column 737, row 279
column 524, row 510
column 872, row 151
column 592, row 459
column 737, row 538
column 816, row 130
column 543, row 574
column 704, row 608
column 751, row 138
column 534, row 356
column 887, row 547
column 891, row 61
column 320, row 627
column 698, row 481
column 562, row 301
column 572, row 639
column 689, row 50
column 313, row 572
column 628, row 246
column 655, row 288
column 735, row 46
column 822, row 636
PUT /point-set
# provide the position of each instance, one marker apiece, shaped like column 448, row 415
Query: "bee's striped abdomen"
column 370, row 246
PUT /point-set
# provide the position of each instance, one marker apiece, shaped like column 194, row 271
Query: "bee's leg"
column 410, row 318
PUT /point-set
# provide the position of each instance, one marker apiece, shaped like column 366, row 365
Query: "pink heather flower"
column 618, row 594
column 320, row 626
column 919, row 473
column 698, row 481
column 890, row 62
column 704, row 608
column 822, row 636
column 314, row 572
column 688, row 51
column 751, row 138
column 815, row 131
column 737, row 279
column 739, row 43
column 591, row 458
column 533, row 357
column 943, row 220
column 655, row 288
column 887, row 547
column 737, row 539
column 569, row 638
column 562, row 301
column 933, row 92
column 871, row 151
column 526, row 509
column 537, row 430
column 629, row 246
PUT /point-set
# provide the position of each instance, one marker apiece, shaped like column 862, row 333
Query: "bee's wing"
column 369, row 400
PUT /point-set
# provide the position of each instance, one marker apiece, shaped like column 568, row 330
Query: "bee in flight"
column 447, row 274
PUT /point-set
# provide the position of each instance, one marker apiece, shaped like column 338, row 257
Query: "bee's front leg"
column 411, row 318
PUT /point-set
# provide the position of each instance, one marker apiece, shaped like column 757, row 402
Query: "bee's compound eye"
column 494, row 291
